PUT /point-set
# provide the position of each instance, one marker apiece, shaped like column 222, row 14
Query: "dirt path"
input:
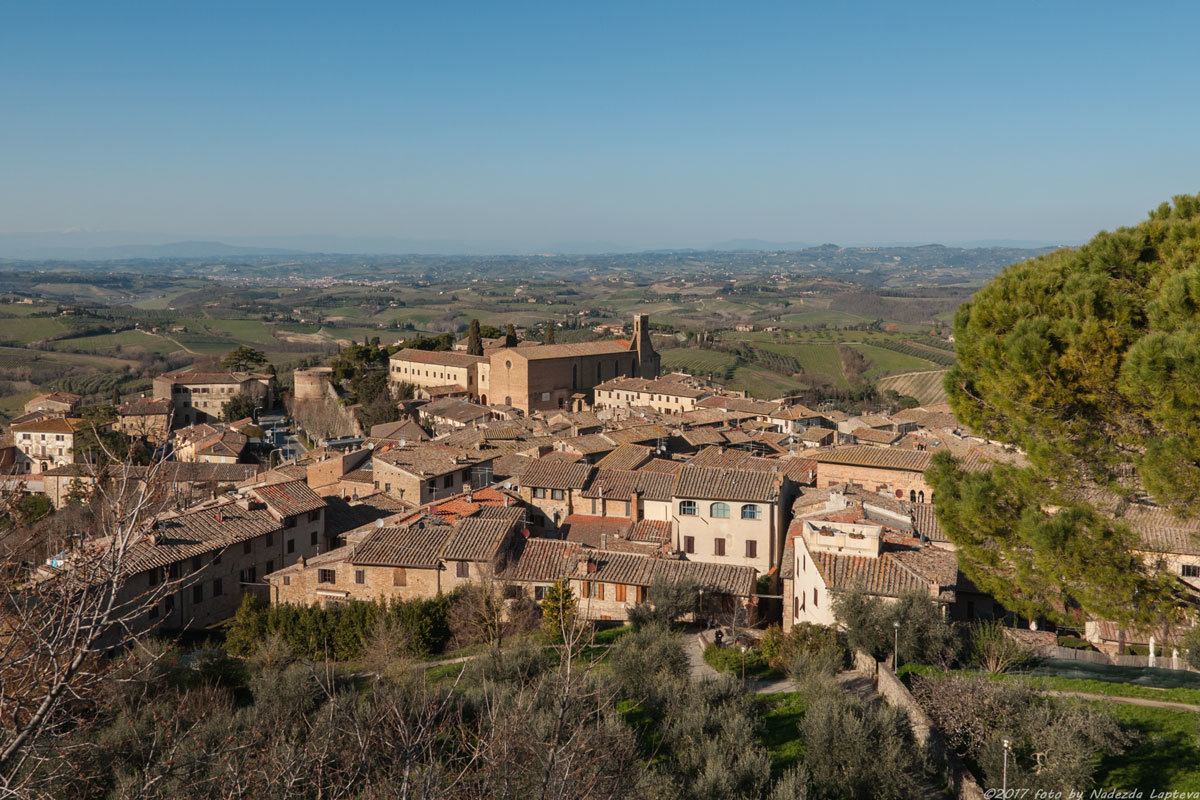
column 171, row 339
column 1133, row 701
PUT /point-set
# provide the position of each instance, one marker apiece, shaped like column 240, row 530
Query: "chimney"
column 603, row 541
column 302, row 562
column 635, row 513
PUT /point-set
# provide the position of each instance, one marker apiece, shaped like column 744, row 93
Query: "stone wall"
column 958, row 778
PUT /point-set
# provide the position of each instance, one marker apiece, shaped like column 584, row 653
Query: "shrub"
column 822, row 641
column 729, row 658
column 995, row 650
column 869, row 621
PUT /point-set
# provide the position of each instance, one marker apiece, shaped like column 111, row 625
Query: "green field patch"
column 763, row 383
column 696, row 361
column 928, row 387
column 889, row 362
column 24, row 330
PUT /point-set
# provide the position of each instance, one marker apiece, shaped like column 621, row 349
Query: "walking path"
column 1133, row 701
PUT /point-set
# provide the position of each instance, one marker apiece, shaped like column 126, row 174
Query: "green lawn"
column 780, row 714
column 1166, row 757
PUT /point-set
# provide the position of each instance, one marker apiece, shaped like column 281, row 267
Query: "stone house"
column 201, row 396
column 730, row 517
column 145, row 418
column 664, row 395
column 420, row 558
column 435, row 369
column 608, row 583
column 218, row 553
column 892, row 471
column 55, row 403
column 550, row 485
column 419, row 474
column 43, row 444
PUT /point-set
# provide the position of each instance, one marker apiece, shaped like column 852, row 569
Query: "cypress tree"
column 510, row 336
column 474, row 339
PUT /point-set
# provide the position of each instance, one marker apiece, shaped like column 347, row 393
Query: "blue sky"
column 643, row 124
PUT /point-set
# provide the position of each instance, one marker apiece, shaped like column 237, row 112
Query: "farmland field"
column 763, row 383
column 696, row 361
column 889, row 362
column 925, row 386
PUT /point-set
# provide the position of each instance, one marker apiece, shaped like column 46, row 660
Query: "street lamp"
column 743, row 666
column 1004, row 771
column 896, row 646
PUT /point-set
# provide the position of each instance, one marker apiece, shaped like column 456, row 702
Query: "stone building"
column 44, row 443
column 562, row 376
column 213, row 555
column 421, row 474
column 55, row 403
column 892, row 471
column 201, row 396
column 435, row 369
column 730, row 516
column 421, row 557
column 608, row 583
column 145, row 418
column 663, row 395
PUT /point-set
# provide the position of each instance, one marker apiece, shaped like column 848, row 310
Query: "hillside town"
column 531, row 465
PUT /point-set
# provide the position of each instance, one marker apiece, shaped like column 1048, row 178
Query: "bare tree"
column 57, row 621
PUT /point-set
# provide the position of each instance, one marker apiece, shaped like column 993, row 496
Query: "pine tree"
column 474, row 339
column 558, row 610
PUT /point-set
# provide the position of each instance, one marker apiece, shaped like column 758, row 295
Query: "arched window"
column 751, row 511
column 719, row 510
column 921, row 496
column 687, row 508
column 912, row 496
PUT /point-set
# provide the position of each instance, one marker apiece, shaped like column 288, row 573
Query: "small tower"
column 647, row 358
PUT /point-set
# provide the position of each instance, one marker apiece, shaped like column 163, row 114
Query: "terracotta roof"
column 620, row 484
column 547, row 560
column 197, row 532
column 589, row 444
column 662, row 465
column 925, row 523
column 429, row 460
column 49, row 425
column 815, row 434
column 404, row 429
column 655, row 531
column 594, row 531
column 548, row 473
column 627, row 456
column 711, row 483
column 883, row 576
column 209, row 377
column 290, row 498
column 417, row 544
column 575, row 349
column 638, row 433
column 699, row 437
column 746, row 405
column 56, row 397
column 441, row 358
column 456, row 410
column 875, row 457
column 480, row 538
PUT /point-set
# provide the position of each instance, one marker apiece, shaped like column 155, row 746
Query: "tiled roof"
column 655, row 531
column 49, row 425
column 144, row 407
column 553, row 473
column 931, row 563
column 925, row 523
column 627, row 456
column 456, row 410
column 359, row 476
column 883, row 576
column 417, row 544
column 290, row 498
column 429, row 460
column 698, row 437
column 441, row 358
column 620, row 484
column 817, row 435
column 546, row 560
column 662, row 465
column 404, row 429
column 637, row 434
column 480, row 538
column 189, row 378
column 342, row 515
column 197, row 532
column 575, row 349
column 589, row 444
column 726, row 484
column 875, row 457
column 593, row 531
column 745, row 405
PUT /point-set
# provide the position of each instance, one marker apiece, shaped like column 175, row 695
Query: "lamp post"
column 1004, row 771
column 896, row 646
column 743, row 666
